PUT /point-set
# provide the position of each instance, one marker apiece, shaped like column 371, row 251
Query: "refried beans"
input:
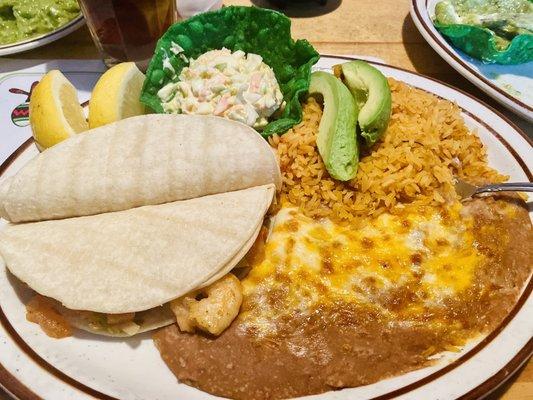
column 342, row 344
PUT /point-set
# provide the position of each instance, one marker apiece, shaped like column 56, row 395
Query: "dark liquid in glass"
column 127, row 30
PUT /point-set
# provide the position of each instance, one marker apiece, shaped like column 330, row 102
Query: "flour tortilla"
column 154, row 318
column 157, row 317
column 235, row 260
column 139, row 161
column 137, row 259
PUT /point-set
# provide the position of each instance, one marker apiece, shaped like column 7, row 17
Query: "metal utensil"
column 466, row 190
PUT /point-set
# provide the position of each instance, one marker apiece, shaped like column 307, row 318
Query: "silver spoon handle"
column 506, row 187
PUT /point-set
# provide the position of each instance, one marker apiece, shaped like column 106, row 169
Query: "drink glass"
column 127, row 30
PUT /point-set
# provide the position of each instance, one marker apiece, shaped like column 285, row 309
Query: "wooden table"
column 379, row 28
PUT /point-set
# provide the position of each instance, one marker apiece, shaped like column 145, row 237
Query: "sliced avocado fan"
column 372, row 95
column 336, row 139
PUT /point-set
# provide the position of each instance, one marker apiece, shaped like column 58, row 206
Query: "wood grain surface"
column 379, row 28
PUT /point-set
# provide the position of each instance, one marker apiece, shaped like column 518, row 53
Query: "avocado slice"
column 336, row 139
column 372, row 95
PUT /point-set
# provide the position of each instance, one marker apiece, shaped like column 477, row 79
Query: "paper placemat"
column 17, row 77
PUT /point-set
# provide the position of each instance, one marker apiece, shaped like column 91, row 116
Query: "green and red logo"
column 20, row 116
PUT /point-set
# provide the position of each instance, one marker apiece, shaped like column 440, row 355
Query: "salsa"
column 23, row 19
column 40, row 310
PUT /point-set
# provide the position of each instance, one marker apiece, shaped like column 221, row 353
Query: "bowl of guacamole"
column 23, row 20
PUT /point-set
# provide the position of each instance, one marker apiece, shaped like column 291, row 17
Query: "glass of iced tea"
column 127, row 30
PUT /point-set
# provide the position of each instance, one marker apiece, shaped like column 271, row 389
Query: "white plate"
column 41, row 40
column 88, row 367
column 511, row 85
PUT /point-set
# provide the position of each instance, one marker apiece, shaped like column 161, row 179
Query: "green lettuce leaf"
column 482, row 43
column 250, row 29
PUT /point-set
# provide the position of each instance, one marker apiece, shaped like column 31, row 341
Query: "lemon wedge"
column 55, row 111
column 116, row 95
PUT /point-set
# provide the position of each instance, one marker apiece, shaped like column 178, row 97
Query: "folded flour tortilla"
column 147, row 320
column 136, row 259
column 127, row 217
column 139, row 161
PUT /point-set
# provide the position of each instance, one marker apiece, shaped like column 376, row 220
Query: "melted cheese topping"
column 399, row 264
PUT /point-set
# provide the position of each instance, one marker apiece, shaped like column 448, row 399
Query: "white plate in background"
column 511, row 85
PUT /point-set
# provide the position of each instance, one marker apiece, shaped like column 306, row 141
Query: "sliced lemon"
column 55, row 111
column 116, row 95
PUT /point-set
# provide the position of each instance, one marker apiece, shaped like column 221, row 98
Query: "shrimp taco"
column 112, row 242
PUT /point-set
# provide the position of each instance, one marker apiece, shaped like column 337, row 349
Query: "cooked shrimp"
column 215, row 312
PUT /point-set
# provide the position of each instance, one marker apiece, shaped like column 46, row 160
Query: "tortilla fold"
column 137, row 259
column 139, row 161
